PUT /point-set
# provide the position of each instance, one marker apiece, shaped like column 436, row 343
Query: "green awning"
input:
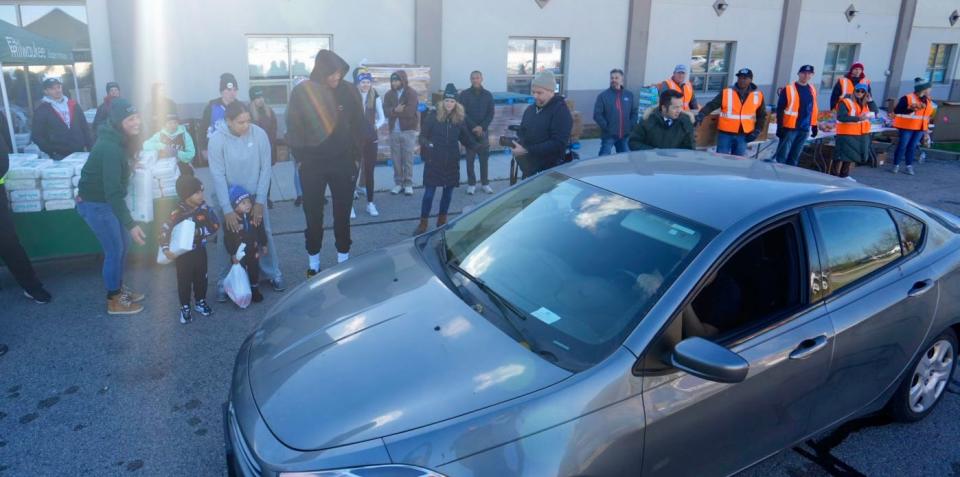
column 20, row 47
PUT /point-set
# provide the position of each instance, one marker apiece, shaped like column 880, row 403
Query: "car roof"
column 714, row 189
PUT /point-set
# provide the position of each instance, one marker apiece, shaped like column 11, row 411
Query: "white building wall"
column 98, row 21
column 676, row 24
column 932, row 25
column 199, row 40
column 475, row 38
column 873, row 28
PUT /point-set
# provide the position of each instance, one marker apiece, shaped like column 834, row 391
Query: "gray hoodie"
column 240, row 160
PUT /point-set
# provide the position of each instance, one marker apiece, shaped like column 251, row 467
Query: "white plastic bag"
column 181, row 241
column 237, row 283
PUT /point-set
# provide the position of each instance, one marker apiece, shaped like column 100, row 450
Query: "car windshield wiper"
column 503, row 305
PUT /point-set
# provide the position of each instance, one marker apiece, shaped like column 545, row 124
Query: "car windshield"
column 582, row 264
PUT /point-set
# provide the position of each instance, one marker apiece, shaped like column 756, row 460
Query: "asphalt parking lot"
column 85, row 393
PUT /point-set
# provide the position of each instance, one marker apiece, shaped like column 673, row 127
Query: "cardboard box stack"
column 35, row 184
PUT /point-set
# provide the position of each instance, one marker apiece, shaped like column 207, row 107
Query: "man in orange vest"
column 797, row 113
column 844, row 85
column 742, row 111
column 912, row 119
column 678, row 82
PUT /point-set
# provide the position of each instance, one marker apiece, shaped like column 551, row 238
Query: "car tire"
column 926, row 380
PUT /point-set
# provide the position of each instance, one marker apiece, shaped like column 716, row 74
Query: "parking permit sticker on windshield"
column 546, row 316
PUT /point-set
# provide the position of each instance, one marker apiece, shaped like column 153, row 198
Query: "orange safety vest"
column 918, row 120
column 858, row 128
column 734, row 114
column 846, row 85
column 792, row 111
column 686, row 91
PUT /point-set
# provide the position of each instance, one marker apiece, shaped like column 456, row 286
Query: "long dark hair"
column 235, row 109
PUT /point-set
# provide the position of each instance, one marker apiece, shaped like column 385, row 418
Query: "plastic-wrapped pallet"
column 57, row 194
column 26, row 206
column 21, row 184
column 27, row 195
column 47, row 184
column 62, row 204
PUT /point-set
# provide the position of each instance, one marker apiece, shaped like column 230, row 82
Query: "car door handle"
column 808, row 347
column 920, row 288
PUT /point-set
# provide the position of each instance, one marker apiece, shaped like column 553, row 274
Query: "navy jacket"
column 545, row 134
column 478, row 104
column 615, row 112
column 805, row 109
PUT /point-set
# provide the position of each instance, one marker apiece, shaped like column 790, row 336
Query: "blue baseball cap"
column 806, row 69
column 861, row 86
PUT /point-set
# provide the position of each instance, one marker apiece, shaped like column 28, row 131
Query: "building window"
column 940, row 55
column 528, row 56
column 837, row 62
column 275, row 63
column 710, row 65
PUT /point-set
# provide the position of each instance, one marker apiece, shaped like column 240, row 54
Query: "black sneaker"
column 39, row 295
column 256, row 297
column 298, row 202
column 185, row 315
column 203, row 308
column 311, row 272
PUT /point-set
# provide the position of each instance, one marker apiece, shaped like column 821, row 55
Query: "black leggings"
column 192, row 275
column 11, row 252
column 341, row 191
column 368, row 162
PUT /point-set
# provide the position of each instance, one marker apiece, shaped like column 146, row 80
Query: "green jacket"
column 180, row 141
column 105, row 176
column 653, row 133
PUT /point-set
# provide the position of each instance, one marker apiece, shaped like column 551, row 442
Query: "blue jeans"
column 114, row 240
column 790, row 147
column 427, row 204
column 735, row 144
column 907, row 146
column 607, row 144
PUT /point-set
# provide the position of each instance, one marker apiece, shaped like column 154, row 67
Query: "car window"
column 911, row 231
column 856, row 240
column 580, row 262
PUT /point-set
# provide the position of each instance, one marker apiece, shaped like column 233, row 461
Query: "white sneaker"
column 910, row 171
column 896, row 169
column 353, row 213
column 396, row 190
column 488, row 189
column 372, row 210
column 471, row 190
column 408, row 190
column 342, row 257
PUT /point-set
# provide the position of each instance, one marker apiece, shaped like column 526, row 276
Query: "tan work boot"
column 134, row 296
column 120, row 304
column 441, row 220
column 421, row 227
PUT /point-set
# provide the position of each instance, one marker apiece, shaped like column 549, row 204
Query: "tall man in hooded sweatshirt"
column 742, row 112
column 615, row 112
column 478, row 105
column 545, row 128
column 403, row 119
column 326, row 129
column 59, row 127
column 213, row 113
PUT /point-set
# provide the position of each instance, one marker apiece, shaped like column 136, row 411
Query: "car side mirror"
column 708, row 360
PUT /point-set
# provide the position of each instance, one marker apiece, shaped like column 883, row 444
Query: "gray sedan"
column 653, row 313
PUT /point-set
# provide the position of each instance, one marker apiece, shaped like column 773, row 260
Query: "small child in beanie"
column 191, row 266
column 254, row 236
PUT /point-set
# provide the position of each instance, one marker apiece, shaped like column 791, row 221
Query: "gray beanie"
column 546, row 80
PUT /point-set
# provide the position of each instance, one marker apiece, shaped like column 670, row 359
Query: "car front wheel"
column 923, row 387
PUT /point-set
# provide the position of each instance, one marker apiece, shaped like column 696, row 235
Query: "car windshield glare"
column 584, row 263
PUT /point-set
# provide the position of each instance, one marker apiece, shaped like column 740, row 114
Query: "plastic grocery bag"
column 181, row 241
column 237, row 283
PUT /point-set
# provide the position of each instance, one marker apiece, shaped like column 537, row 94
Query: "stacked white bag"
column 35, row 184
column 164, row 171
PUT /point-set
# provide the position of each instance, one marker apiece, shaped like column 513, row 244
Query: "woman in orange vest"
column 913, row 114
column 678, row 82
column 844, row 85
column 853, row 130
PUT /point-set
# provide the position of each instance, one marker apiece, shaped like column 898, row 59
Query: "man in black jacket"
column 59, row 126
column 544, row 129
column 478, row 105
column 11, row 252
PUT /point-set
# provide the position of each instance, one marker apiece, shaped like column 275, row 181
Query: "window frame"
column 564, row 61
column 833, row 295
column 729, row 49
column 833, row 73
column 289, row 80
column 949, row 49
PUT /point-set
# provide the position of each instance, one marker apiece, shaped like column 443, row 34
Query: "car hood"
column 379, row 346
